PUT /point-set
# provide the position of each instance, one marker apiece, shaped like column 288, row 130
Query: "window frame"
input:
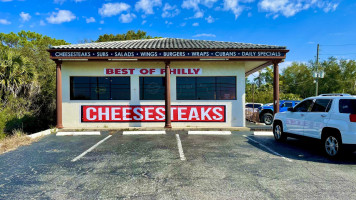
column 215, row 88
column 89, row 86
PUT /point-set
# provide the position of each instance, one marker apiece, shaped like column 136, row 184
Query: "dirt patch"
column 14, row 141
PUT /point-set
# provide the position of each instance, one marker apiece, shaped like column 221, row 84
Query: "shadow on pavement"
column 301, row 149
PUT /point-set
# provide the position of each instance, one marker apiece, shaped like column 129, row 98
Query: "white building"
column 124, row 83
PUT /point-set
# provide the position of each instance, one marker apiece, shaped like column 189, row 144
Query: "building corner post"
column 59, row 93
column 276, row 86
column 168, row 123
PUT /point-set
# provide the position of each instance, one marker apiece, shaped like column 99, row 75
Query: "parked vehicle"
column 329, row 118
column 266, row 111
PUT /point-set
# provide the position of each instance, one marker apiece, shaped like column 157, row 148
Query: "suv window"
column 322, row 105
column 347, row 106
column 303, row 106
column 288, row 104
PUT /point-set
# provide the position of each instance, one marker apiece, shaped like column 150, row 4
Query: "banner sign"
column 181, row 113
column 153, row 71
column 155, row 54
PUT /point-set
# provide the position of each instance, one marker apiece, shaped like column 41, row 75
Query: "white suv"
column 330, row 118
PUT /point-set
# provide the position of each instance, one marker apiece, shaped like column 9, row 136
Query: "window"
column 152, row 88
column 321, row 105
column 303, row 106
column 206, row 88
column 288, row 104
column 347, row 106
column 99, row 88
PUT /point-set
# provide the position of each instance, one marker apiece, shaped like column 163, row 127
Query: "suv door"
column 295, row 119
column 317, row 118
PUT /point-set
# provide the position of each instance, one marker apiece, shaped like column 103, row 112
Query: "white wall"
column 235, row 109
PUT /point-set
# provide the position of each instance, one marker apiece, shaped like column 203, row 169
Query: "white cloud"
column 143, row 22
column 191, row 4
column 100, row 29
column 76, row 1
column 170, row 11
column 195, row 24
column 37, row 13
column 194, row 4
column 233, row 5
column 59, row 1
column 42, row 23
column 111, row 9
column 168, row 22
column 330, row 7
column 290, row 8
column 126, row 18
column 60, row 17
column 210, row 19
column 183, row 24
column 5, row 0
column 25, row 16
column 204, row 35
column 4, row 22
column 147, row 5
column 198, row 14
column 102, row 22
column 90, row 20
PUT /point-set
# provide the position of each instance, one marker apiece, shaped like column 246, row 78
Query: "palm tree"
column 14, row 73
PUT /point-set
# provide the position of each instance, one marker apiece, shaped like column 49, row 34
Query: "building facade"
column 133, row 83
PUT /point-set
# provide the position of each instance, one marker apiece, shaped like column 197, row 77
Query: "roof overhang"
column 258, row 58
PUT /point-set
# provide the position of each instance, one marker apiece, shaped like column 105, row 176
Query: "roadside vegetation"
column 11, row 142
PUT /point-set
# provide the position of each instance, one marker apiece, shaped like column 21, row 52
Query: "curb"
column 39, row 134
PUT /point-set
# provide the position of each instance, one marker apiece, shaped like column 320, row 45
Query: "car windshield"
column 347, row 106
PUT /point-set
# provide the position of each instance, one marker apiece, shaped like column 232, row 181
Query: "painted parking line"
column 144, row 132
column 77, row 133
column 180, row 148
column 269, row 149
column 209, row 132
column 263, row 133
column 90, row 149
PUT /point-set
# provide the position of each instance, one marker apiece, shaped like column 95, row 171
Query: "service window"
column 322, row 105
column 152, row 88
column 100, row 88
column 206, row 88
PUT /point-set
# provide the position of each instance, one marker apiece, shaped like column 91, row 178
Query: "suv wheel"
column 278, row 132
column 332, row 145
column 268, row 118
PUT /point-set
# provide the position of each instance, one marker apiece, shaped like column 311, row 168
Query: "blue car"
column 266, row 111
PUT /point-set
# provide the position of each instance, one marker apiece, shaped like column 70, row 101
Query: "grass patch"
column 12, row 142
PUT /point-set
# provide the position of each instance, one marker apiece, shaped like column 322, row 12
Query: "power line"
column 337, row 54
column 338, row 45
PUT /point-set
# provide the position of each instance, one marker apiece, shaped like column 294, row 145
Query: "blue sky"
column 298, row 24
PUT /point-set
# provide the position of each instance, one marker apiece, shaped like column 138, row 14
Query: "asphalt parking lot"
column 237, row 166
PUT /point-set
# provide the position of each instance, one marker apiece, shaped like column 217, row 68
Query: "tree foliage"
column 27, row 81
column 130, row 35
column 297, row 81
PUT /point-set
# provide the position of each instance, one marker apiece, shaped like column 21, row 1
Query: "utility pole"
column 317, row 72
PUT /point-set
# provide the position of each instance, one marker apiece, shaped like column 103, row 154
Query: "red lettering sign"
column 180, row 113
column 153, row 71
